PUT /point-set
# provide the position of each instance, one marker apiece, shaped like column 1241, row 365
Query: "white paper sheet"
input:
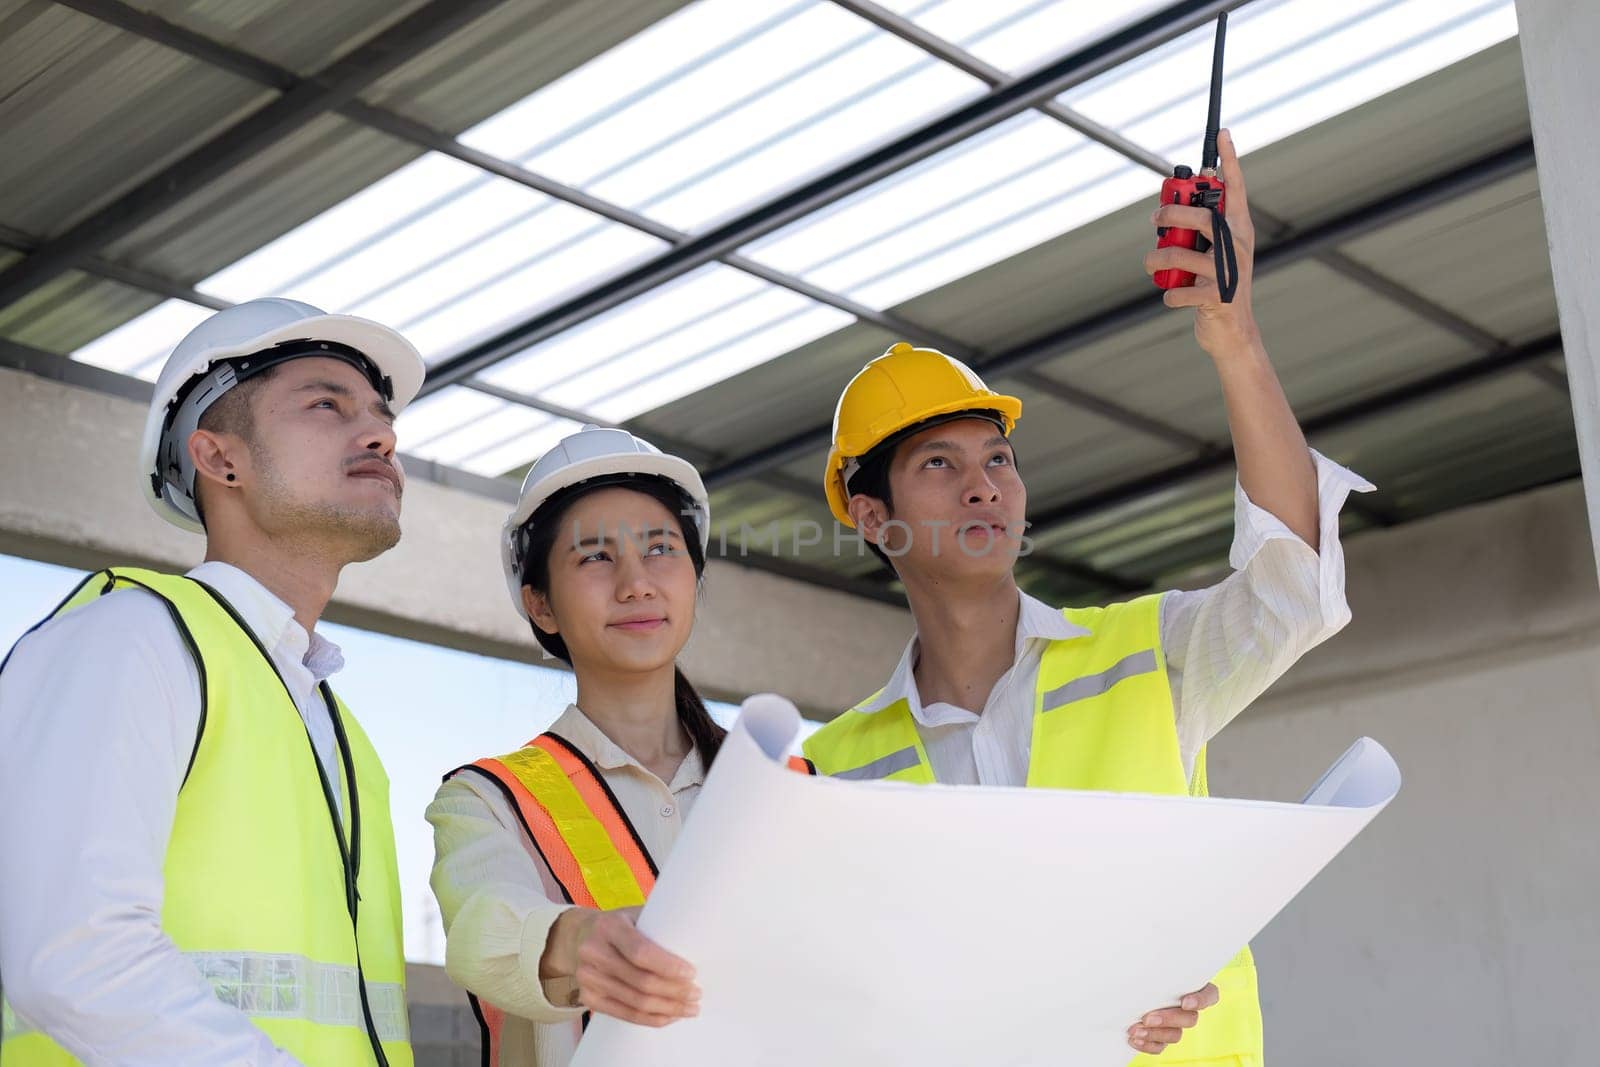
column 874, row 923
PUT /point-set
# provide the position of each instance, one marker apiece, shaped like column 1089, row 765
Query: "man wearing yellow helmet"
column 998, row 688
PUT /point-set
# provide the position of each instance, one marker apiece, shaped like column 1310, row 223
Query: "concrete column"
column 1558, row 45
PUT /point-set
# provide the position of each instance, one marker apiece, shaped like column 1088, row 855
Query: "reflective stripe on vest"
column 279, row 986
column 581, row 832
column 579, row 828
column 883, row 766
column 1093, row 685
column 1103, row 720
column 255, row 872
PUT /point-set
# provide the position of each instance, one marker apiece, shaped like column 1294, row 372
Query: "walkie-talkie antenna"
column 1208, row 150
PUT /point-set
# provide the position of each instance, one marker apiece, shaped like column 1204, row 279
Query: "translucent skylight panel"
column 1019, row 35
column 459, row 446
column 791, row 321
column 731, row 101
column 437, row 414
column 1290, row 65
column 519, row 449
column 463, row 428
column 693, row 127
column 506, row 277
column 140, row 347
column 439, row 250
column 700, row 329
column 376, row 235
column 633, row 70
column 670, row 310
column 1005, row 190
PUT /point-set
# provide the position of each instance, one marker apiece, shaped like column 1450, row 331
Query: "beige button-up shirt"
column 498, row 899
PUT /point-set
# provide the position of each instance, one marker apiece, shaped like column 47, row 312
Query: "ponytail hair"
column 697, row 722
column 545, row 524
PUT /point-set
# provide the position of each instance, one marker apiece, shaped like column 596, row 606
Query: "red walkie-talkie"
column 1202, row 190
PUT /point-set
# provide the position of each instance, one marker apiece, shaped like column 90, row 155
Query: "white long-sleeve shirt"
column 1224, row 644
column 99, row 711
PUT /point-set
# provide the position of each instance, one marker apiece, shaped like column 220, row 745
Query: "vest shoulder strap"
column 96, row 585
column 574, row 821
column 861, row 745
column 1143, row 614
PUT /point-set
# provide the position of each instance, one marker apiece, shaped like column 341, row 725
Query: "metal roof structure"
column 698, row 220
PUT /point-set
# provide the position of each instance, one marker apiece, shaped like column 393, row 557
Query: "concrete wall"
column 1462, row 927
column 68, row 495
column 444, row 1032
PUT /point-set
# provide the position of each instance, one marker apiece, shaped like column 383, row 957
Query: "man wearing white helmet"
column 199, row 861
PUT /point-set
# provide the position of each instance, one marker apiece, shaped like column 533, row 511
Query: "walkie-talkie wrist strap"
column 1226, row 260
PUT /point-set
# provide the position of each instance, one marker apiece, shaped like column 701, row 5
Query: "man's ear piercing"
column 230, row 477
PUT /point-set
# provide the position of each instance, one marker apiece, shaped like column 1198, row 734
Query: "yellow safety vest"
column 1103, row 720
column 292, row 917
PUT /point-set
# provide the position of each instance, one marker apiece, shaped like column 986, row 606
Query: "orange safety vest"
column 578, row 828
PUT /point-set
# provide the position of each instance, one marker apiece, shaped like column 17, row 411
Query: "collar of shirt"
column 272, row 621
column 1036, row 621
column 606, row 754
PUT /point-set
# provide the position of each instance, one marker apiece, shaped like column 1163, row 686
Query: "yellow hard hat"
column 902, row 388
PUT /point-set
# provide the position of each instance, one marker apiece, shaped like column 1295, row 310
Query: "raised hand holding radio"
column 1224, row 321
column 1203, row 190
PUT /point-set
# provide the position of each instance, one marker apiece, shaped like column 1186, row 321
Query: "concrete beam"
column 1530, row 582
column 1563, row 83
column 68, row 495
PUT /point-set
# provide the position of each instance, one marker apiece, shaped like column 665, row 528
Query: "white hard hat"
column 166, row 474
column 594, row 452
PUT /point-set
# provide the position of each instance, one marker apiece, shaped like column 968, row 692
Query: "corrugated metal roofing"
column 289, row 33
column 72, row 311
column 87, row 112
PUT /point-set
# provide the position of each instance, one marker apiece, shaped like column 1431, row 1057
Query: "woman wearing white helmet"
column 544, row 854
